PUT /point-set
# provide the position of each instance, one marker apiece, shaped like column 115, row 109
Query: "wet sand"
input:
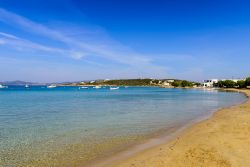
column 222, row 140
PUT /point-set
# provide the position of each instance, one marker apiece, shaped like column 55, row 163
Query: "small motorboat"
column 51, row 86
column 26, row 86
column 2, row 86
column 114, row 88
column 97, row 87
column 84, row 87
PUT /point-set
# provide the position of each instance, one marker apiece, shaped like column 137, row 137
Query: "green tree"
column 220, row 84
column 247, row 82
column 197, row 84
column 186, row 83
column 176, row 83
column 241, row 84
column 229, row 84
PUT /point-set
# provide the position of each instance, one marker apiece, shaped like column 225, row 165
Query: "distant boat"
column 51, row 86
column 26, row 86
column 84, row 87
column 126, row 86
column 114, row 88
column 2, row 86
column 97, row 87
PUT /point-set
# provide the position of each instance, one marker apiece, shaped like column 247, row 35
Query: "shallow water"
column 68, row 126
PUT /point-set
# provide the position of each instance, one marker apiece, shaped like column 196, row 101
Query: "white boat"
column 97, row 87
column 114, row 88
column 84, row 87
column 51, row 86
column 2, row 86
column 26, row 86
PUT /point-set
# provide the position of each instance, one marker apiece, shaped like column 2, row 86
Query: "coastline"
column 204, row 142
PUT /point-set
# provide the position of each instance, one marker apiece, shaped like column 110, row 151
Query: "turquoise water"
column 67, row 126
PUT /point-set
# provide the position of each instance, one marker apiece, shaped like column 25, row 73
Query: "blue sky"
column 69, row 40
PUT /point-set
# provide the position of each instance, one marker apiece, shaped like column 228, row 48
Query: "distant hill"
column 124, row 82
column 19, row 83
column 127, row 82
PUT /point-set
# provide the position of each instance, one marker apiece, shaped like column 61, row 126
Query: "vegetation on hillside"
column 184, row 83
column 140, row 82
column 125, row 82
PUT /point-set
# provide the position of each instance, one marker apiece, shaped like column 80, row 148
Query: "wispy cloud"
column 76, row 48
column 8, row 35
column 26, row 45
column 22, row 44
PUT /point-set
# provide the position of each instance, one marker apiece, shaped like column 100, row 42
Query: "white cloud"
column 22, row 44
column 77, row 48
column 78, row 43
column 8, row 35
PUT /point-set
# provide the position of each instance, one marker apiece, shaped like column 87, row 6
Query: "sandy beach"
column 222, row 140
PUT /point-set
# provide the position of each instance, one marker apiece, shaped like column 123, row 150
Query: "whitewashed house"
column 166, row 83
column 209, row 83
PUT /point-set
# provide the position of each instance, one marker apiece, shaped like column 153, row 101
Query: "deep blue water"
column 39, row 121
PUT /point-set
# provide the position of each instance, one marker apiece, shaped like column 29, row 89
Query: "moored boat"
column 84, row 87
column 51, row 86
column 2, row 86
column 114, row 88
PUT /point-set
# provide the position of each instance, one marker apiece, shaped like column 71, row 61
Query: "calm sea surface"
column 68, row 126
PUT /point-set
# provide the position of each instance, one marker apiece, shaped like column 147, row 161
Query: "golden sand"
column 222, row 140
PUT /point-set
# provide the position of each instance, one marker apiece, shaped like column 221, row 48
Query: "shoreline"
column 152, row 153
column 153, row 141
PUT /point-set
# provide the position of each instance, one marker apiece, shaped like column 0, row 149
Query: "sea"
column 74, row 126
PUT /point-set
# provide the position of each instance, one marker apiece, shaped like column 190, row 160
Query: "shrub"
column 241, row 84
column 226, row 84
column 186, row 83
column 247, row 82
column 220, row 84
column 229, row 84
column 176, row 84
column 183, row 83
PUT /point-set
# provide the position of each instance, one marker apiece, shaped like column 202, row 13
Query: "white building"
column 209, row 83
column 166, row 83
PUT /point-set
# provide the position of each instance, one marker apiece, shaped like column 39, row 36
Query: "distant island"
column 137, row 82
column 167, row 83
column 19, row 83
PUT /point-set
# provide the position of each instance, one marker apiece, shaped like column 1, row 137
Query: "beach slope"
column 222, row 140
